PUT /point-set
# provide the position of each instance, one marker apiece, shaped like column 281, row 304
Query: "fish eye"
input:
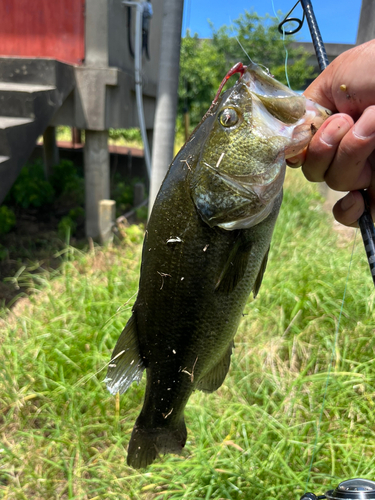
column 228, row 117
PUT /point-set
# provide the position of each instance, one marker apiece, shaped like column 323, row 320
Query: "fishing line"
column 187, row 16
column 244, row 51
column 315, row 447
column 285, row 48
column 243, row 48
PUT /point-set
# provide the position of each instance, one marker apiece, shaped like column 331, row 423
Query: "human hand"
column 341, row 152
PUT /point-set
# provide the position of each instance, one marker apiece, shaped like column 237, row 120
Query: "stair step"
column 31, row 91
column 28, row 70
column 23, row 100
column 12, row 121
column 24, row 87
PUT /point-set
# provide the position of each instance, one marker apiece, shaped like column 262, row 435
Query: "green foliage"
column 128, row 134
column 142, row 213
column 3, row 252
column 31, row 188
column 204, row 63
column 123, row 193
column 68, row 224
column 63, row 435
column 7, row 219
column 67, row 183
column 134, row 234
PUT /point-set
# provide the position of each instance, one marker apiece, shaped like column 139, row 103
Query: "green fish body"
column 205, row 250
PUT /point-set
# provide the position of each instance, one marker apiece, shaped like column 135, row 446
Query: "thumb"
column 320, row 90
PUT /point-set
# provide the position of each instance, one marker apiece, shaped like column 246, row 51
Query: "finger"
column 349, row 209
column 350, row 169
column 320, row 89
column 324, row 146
column 298, row 160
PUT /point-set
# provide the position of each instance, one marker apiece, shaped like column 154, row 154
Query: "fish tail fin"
column 126, row 364
column 146, row 444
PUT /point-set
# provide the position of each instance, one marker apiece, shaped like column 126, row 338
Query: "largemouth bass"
column 205, row 250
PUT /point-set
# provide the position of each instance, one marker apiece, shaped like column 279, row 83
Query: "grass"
column 62, row 436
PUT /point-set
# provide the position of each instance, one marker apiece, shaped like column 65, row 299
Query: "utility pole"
column 166, row 105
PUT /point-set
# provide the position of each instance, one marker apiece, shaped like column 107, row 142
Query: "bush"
column 67, row 182
column 128, row 134
column 123, row 194
column 7, row 219
column 31, row 189
column 142, row 213
column 69, row 223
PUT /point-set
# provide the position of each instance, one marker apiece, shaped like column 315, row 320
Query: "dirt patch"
column 33, row 246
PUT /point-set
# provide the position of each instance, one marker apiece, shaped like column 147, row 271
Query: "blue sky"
column 337, row 19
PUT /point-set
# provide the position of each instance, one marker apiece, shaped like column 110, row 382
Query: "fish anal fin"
column 215, row 377
column 126, row 364
column 262, row 269
column 234, row 268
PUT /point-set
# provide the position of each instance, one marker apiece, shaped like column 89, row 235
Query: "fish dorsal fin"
column 126, row 365
column 234, row 268
column 259, row 279
column 215, row 377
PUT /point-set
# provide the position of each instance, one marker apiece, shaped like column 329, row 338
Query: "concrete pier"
column 50, row 151
column 97, row 179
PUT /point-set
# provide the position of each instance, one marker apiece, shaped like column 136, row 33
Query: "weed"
column 62, row 435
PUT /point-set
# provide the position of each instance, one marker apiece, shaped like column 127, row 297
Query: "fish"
column 205, row 250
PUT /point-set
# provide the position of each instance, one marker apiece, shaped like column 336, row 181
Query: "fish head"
column 257, row 125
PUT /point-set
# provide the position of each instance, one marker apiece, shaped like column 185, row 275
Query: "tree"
column 205, row 62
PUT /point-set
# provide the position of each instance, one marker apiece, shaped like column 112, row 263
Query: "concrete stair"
column 31, row 91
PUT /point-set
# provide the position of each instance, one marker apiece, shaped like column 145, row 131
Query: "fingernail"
column 335, row 131
column 365, row 126
column 347, row 202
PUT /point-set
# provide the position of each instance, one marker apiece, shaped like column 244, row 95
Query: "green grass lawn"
column 63, row 436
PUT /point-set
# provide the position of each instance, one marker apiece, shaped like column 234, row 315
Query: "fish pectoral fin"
column 126, row 364
column 215, row 377
column 262, row 269
column 234, row 268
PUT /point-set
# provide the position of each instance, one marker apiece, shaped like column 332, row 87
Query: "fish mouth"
column 286, row 105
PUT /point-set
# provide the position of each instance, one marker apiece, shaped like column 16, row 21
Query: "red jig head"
column 237, row 68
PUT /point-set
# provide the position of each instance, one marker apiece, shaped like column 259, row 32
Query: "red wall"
column 43, row 28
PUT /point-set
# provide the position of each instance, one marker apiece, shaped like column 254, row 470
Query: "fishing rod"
column 365, row 221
